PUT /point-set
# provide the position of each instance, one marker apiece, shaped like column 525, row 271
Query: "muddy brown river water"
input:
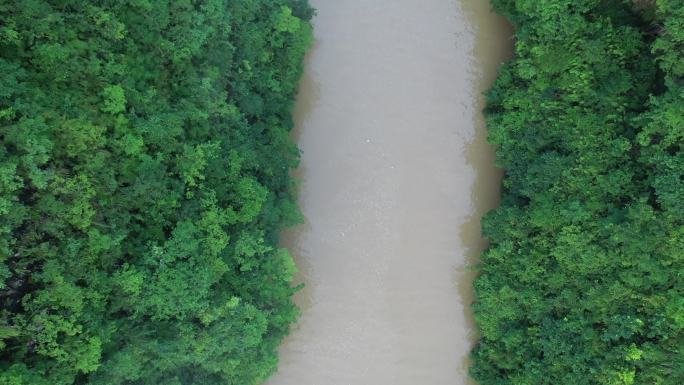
column 396, row 174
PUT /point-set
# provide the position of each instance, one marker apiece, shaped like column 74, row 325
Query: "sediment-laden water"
column 396, row 174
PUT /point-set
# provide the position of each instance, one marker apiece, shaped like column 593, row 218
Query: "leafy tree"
column 582, row 281
column 144, row 178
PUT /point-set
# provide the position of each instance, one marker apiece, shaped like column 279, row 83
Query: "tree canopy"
column 582, row 282
column 144, row 177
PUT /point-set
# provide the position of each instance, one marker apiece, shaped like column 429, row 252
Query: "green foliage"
column 144, row 178
column 582, row 281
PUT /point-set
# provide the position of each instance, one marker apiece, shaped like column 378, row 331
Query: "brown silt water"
column 396, row 175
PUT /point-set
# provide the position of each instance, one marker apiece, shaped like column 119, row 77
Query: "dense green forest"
column 583, row 282
column 144, row 177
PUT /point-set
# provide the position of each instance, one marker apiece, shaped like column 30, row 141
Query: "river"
column 396, row 174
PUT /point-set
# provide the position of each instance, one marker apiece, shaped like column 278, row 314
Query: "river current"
column 396, row 174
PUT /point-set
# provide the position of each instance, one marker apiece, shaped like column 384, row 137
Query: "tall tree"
column 144, row 168
column 582, row 281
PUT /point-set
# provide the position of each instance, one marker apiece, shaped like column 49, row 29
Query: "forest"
column 582, row 281
column 145, row 159
column 144, row 178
